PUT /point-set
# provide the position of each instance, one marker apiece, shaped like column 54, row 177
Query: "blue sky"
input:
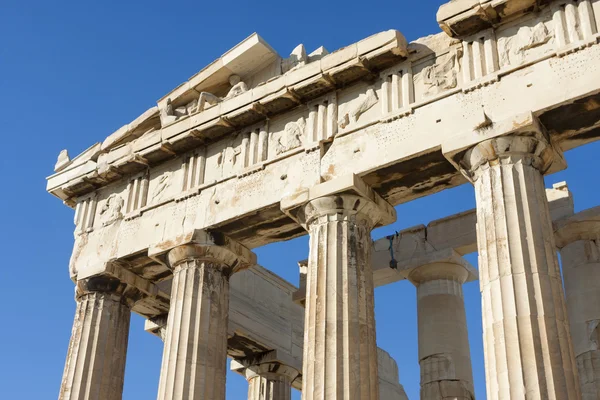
column 72, row 72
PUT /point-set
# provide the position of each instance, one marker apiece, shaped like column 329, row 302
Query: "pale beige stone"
column 444, row 354
column 527, row 345
column 340, row 354
column 195, row 352
column 379, row 109
column 580, row 255
column 95, row 366
column 389, row 386
column 268, row 377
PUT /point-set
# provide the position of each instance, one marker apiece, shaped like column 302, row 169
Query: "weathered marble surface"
column 389, row 119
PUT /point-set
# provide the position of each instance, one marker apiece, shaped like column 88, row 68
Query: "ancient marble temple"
column 258, row 148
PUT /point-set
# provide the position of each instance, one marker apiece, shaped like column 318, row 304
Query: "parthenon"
column 258, row 148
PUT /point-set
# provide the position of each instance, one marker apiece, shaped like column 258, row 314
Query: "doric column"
column 95, row 366
column 527, row 345
column 579, row 241
column 270, row 381
column 340, row 354
column 444, row 354
column 195, row 351
column 269, row 376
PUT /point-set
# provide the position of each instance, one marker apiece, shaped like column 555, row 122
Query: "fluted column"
column 340, row 354
column 580, row 253
column 95, row 366
column 444, row 354
column 527, row 345
column 195, row 351
column 270, row 381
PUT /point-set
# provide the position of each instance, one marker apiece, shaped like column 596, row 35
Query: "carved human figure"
column 291, row 137
column 369, row 100
column 167, row 115
column 513, row 50
column 439, row 77
column 111, row 210
column 164, row 182
column 237, row 87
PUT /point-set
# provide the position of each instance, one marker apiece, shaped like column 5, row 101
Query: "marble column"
column 340, row 354
column 270, row 381
column 527, row 345
column 580, row 254
column 444, row 354
column 95, row 366
column 195, row 350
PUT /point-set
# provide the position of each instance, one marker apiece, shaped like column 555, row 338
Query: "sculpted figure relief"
column 297, row 58
column 237, row 87
column 440, row 77
column 514, row 49
column 168, row 114
column 111, row 210
column 291, row 137
column 369, row 100
column 164, row 182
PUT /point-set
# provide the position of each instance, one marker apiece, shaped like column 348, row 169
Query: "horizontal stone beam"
column 456, row 233
column 394, row 144
column 453, row 234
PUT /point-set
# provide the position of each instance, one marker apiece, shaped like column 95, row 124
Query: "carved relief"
column 440, row 77
column 369, row 100
column 167, row 114
column 237, row 87
column 111, row 211
column 163, row 183
column 291, row 137
column 296, row 59
column 513, row 50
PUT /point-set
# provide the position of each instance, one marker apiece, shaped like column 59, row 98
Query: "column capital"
column 584, row 225
column 520, row 138
column 532, row 150
column 437, row 265
column 109, row 286
column 271, row 362
column 204, row 246
column 347, row 196
column 340, row 207
column 271, row 369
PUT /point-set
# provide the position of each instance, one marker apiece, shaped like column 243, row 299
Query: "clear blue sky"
column 72, row 72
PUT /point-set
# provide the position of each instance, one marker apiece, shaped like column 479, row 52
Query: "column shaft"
column 444, row 354
column 95, row 366
column 581, row 271
column 195, row 351
column 526, row 336
column 340, row 353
